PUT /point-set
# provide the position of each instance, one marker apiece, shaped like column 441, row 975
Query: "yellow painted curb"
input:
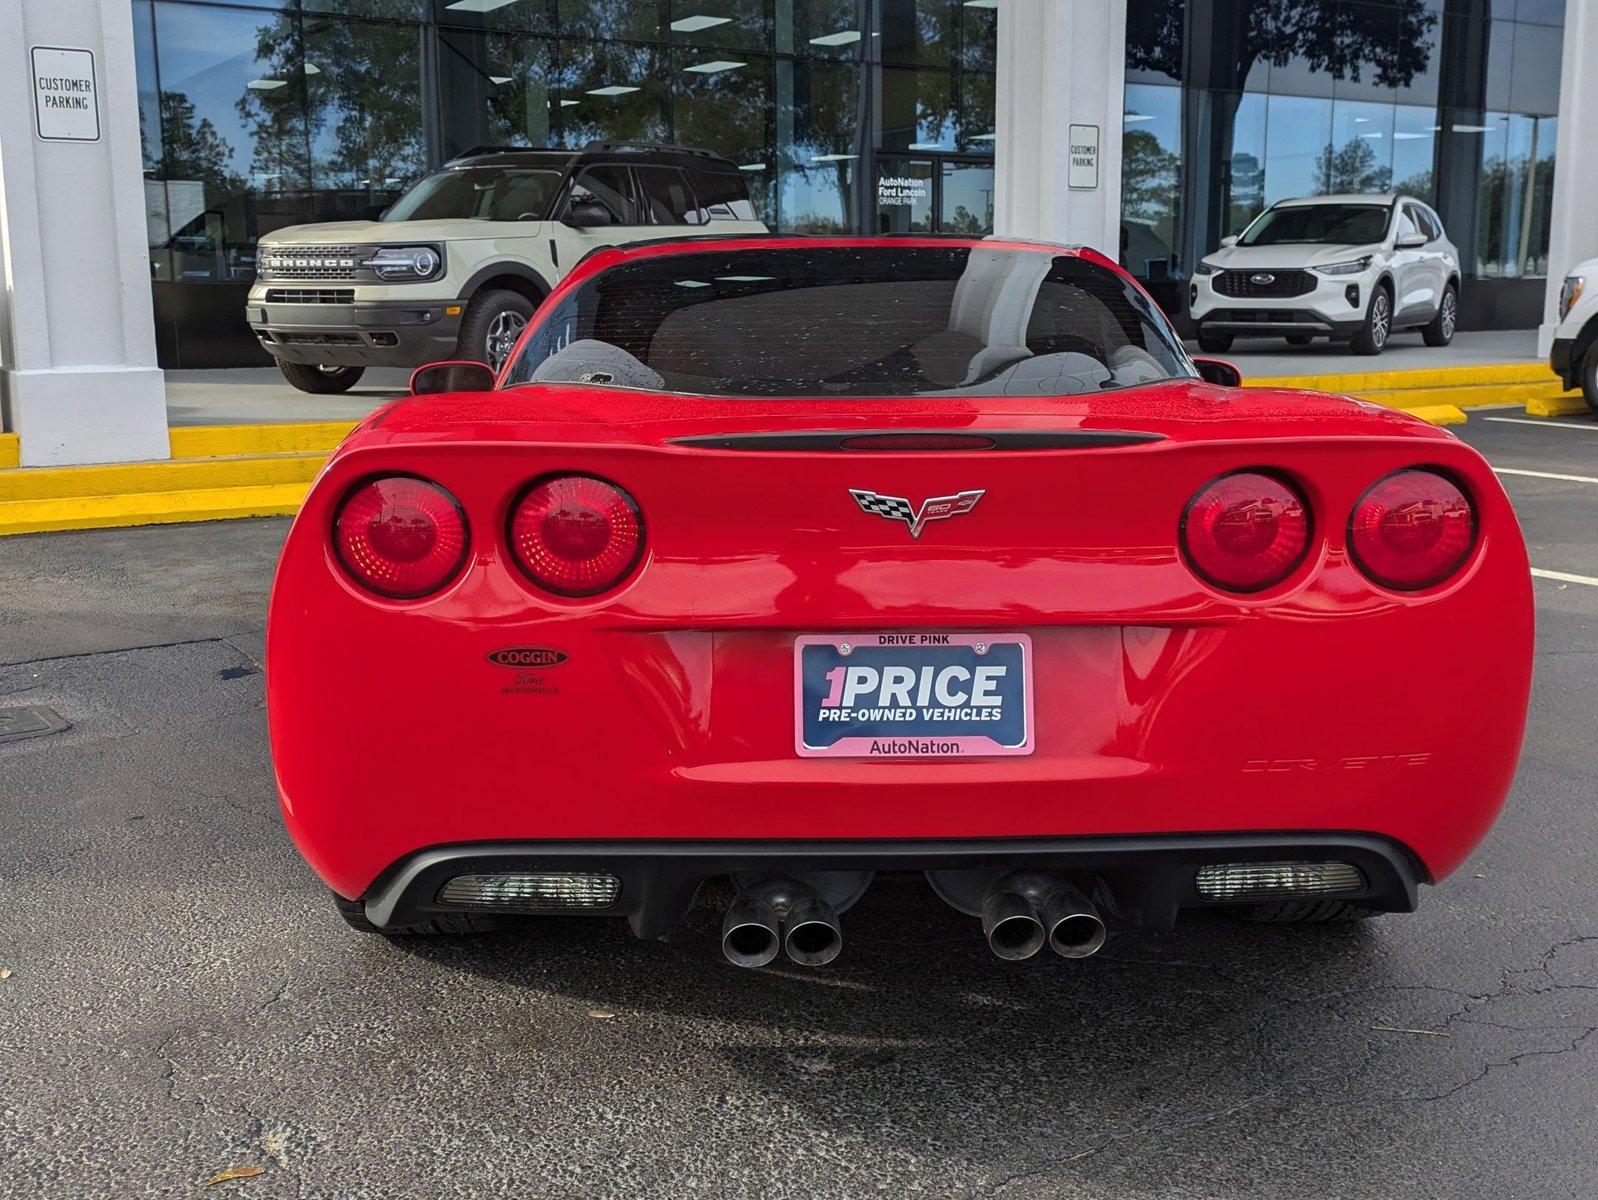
column 175, row 475
column 1480, row 375
column 151, row 508
column 10, row 450
column 231, row 441
column 1557, row 406
column 1467, row 397
column 1438, row 414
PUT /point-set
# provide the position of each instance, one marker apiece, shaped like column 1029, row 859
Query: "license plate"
column 912, row 695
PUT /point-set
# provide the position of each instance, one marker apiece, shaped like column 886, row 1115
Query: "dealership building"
column 147, row 145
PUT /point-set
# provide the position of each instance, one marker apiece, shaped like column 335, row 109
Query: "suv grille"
column 312, row 262
column 1255, row 284
column 310, row 295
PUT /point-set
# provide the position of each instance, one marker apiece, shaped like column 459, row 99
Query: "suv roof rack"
column 601, row 147
column 479, row 151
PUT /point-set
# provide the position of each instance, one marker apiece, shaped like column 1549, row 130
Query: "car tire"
column 1308, row 912
column 320, row 381
column 1378, row 327
column 442, row 925
column 1299, row 339
column 1214, row 343
column 1441, row 329
column 1589, row 377
column 494, row 320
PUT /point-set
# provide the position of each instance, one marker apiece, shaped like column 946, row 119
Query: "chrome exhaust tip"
column 810, row 933
column 750, row 933
column 1012, row 925
column 1075, row 929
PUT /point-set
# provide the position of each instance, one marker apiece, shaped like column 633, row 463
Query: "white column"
column 1062, row 63
column 78, row 380
column 1574, row 235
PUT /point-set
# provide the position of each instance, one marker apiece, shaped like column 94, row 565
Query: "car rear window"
column 844, row 321
column 1319, row 224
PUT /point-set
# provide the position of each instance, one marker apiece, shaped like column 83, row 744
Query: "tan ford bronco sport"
column 458, row 264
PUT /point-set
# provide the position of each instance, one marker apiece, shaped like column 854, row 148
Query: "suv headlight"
column 1205, row 268
column 1569, row 294
column 405, row 262
column 1353, row 266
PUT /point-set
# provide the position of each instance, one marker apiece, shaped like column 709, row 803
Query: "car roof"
column 530, row 156
column 1386, row 198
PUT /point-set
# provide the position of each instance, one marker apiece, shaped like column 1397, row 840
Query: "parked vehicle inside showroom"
column 1574, row 356
column 1354, row 269
column 798, row 560
column 457, row 265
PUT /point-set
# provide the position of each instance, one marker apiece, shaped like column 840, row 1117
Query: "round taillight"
column 1246, row 532
column 400, row 536
column 1412, row 530
column 576, row 535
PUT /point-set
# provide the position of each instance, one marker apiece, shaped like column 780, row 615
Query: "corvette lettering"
column 897, row 508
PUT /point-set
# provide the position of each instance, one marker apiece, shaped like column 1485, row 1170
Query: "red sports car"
column 794, row 560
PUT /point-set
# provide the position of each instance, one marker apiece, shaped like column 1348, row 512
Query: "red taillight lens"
column 1246, row 532
column 400, row 536
column 1412, row 530
column 576, row 535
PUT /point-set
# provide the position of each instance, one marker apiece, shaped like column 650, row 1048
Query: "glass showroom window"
column 725, row 104
column 1150, row 179
column 620, row 91
column 363, row 102
column 915, row 109
column 496, row 90
column 819, row 146
column 721, row 24
column 234, row 144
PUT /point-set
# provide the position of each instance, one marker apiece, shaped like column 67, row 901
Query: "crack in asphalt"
column 1373, row 1047
column 205, row 641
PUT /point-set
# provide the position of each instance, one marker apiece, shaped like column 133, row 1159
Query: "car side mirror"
column 1229, row 240
column 585, row 214
column 456, row 375
column 1219, row 372
column 1411, row 241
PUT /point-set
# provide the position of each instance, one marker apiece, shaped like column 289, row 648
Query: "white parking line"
column 1564, row 577
column 1546, row 475
column 1545, row 424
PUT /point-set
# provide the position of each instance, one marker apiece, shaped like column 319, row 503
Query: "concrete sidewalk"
column 258, row 395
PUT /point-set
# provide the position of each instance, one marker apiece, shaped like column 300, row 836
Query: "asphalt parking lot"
column 179, row 998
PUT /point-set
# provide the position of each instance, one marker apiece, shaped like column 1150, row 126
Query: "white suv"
column 456, row 267
column 1351, row 268
column 1574, row 357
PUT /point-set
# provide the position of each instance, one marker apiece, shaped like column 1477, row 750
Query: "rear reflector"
column 576, row 535
column 1246, row 531
column 1412, row 530
column 1266, row 881
column 400, row 536
column 536, row 891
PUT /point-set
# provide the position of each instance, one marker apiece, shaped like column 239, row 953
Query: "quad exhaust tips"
column 1023, row 913
column 779, row 914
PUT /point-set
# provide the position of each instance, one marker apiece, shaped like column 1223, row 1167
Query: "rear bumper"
column 1149, row 879
column 399, row 333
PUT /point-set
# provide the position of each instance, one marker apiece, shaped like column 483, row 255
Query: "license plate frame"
column 914, row 733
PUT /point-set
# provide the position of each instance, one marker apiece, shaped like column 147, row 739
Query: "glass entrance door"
column 934, row 194
column 904, row 194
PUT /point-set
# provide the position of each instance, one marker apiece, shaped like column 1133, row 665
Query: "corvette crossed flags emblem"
column 935, row 508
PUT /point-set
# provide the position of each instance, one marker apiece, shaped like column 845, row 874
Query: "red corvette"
column 795, row 560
